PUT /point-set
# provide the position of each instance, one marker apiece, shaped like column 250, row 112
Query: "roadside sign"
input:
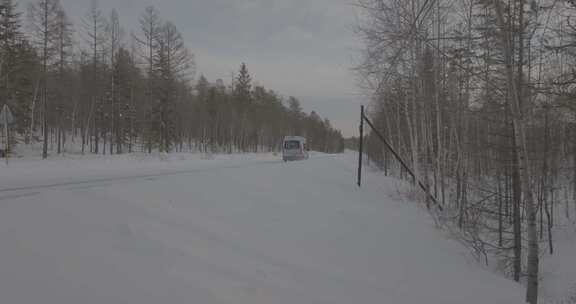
column 6, row 116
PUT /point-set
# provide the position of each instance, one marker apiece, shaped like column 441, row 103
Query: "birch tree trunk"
column 521, row 153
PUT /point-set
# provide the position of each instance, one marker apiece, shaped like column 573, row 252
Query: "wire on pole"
column 396, row 155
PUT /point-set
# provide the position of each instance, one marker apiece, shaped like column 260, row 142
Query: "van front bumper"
column 293, row 157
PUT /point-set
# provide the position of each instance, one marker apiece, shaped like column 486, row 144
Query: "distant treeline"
column 113, row 92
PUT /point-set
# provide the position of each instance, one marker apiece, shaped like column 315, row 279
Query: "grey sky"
column 296, row 47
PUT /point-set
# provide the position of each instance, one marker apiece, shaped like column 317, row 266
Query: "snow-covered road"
column 247, row 229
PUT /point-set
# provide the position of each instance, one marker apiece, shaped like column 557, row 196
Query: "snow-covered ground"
column 233, row 229
column 559, row 269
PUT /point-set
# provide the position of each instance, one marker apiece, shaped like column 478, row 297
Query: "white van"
column 294, row 148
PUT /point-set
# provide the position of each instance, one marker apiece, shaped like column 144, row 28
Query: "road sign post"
column 6, row 118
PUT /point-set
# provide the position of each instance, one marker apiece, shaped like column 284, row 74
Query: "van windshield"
column 291, row 145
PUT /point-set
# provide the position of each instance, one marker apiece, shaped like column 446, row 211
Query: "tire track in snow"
column 15, row 196
column 106, row 180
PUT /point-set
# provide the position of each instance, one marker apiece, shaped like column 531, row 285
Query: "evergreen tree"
column 243, row 101
column 43, row 16
column 243, row 88
column 10, row 42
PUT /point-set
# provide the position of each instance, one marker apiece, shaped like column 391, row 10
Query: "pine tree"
column 295, row 115
column 126, row 75
column 173, row 62
column 150, row 27
column 94, row 25
column 10, row 39
column 114, row 33
column 64, row 45
column 43, row 16
column 16, row 64
column 243, row 101
column 242, row 89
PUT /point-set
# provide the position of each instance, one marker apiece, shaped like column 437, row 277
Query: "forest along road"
column 250, row 230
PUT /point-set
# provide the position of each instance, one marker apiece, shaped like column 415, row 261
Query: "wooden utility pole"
column 360, row 146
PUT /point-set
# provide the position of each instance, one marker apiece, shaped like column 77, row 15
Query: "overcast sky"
column 303, row 48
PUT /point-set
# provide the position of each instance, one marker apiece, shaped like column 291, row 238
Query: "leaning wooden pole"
column 417, row 182
column 360, row 146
